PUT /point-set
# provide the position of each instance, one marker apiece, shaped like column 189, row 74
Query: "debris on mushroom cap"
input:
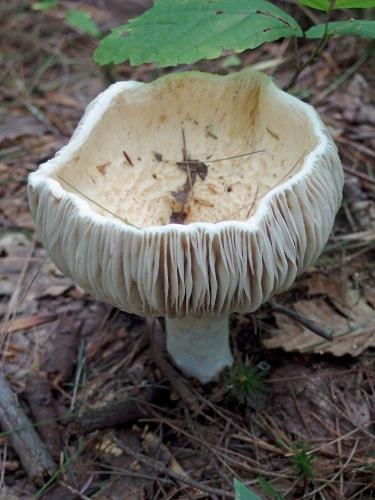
column 194, row 195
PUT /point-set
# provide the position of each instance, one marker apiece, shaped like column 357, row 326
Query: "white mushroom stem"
column 199, row 347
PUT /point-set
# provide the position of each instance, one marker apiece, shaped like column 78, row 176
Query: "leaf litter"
column 88, row 354
column 350, row 317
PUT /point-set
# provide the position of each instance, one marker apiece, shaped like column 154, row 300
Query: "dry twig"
column 307, row 323
column 121, row 413
column 23, row 438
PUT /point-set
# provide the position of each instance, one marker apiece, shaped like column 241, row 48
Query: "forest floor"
column 307, row 431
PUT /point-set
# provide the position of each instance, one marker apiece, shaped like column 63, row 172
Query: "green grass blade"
column 244, row 493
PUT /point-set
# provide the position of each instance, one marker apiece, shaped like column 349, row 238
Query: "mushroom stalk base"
column 199, row 347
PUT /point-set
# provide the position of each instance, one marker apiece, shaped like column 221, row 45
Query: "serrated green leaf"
column 176, row 32
column 269, row 489
column 244, row 493
column 83, row 21
column 339, row 4
column 355, row 27
column 45, row 4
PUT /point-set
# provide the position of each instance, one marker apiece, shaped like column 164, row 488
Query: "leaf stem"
column 316, row 53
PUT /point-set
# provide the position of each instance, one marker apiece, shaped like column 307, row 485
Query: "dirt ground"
column 307, row 430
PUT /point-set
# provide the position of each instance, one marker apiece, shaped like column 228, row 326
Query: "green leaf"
column 355, row 27
column 339, row 4
column 83, row 21
column 176, row 32
column 315, row 4
column 45, row 4
column 244, row 493
column 269, row 489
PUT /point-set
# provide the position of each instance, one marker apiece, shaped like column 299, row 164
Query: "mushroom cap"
column 250, row 170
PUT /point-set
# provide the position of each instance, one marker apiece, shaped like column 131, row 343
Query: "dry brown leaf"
column 25, row 323
column 354, row 328
column 17, row 126
column 335, row 286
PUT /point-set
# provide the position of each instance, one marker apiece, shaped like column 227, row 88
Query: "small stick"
column 289, row 171
column 22, row 436
column 111, row 415
column 194, row 162
column 307, row 323
column 224, row 159
column 159, row 467
column 174, row 378
column 184, row 149
column 127, row 158
column 186, row 159
column 96, row 203
column 253, row 202
column 273, row 187
column 189, row 176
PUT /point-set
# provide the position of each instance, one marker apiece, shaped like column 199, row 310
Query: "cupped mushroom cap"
column 251, row 172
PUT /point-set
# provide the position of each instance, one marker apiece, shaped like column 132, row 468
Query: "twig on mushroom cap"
column 159, row 353
column 96, row 203
column 242, row 155
column 311, row 325
column 22, row 436
column 192, row 169
column 127, row 158
column 184, row 148
column 253, row 202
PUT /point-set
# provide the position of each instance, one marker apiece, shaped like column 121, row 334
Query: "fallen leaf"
column 28, row 322
column 13, row 127
column 353, row 329
column 334, row 286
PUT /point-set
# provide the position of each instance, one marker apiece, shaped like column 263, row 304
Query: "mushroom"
column 190, row 197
